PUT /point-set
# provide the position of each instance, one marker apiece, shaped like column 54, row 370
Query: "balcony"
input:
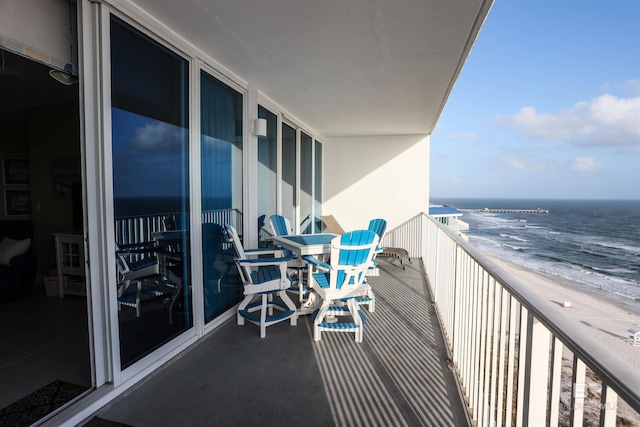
column 488, row 350
column 398, row 376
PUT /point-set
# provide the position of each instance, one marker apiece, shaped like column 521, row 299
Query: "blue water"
column 594, row 244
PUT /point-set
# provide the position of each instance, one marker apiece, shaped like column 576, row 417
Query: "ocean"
column 593, row 243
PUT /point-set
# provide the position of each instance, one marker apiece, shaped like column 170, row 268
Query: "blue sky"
column 547, row 105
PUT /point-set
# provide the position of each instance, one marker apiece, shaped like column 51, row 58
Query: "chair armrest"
column 316, row 262
column 264, row 261
column 22, row 261
column 276, row 252
column 137, row 248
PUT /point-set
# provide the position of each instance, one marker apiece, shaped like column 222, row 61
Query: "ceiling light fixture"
column 65, row 77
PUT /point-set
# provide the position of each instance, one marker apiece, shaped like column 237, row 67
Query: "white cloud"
column 466, row 136
column 633, row 84
column 605, row 121
column 159, row 137
column 530, row 164
column 585, row 164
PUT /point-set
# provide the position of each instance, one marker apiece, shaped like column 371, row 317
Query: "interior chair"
column 340, row 282
column 140, row 278
column 263, row 279
column 297, row 267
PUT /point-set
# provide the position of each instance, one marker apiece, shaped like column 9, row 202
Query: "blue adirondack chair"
column 339, row 283
column 263, row 279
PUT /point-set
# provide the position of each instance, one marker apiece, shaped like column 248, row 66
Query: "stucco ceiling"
column 342, row 67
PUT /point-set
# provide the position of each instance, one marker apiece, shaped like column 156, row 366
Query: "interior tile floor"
column 42, row 339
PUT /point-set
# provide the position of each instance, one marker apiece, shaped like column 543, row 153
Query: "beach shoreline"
column 608, row 320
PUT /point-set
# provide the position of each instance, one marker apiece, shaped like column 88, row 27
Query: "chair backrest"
column 351, row 256
column 245, row 272
column 280, row 225
column 121, row 262
column 332, row 224
column 378, row 226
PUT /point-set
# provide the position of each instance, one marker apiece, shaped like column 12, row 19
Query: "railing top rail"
column 620, row 376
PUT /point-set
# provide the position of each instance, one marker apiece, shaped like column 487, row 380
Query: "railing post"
column 608, row 407
column 578, row 391
column 556, row 374
column 536, row 372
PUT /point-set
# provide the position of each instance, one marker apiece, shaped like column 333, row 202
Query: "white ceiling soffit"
column 343, row 67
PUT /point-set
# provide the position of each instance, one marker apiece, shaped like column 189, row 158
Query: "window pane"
column 318, row 188
column 221, row 163
column 306, row 182
column 267, row 173
column 289, row 173
column 150, row 149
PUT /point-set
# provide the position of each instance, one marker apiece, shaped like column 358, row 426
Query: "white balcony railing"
column 137, row 229
column 517, row 362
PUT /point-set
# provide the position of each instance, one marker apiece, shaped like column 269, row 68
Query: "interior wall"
column 13, row 145
column 54, row 140
column 376, row 177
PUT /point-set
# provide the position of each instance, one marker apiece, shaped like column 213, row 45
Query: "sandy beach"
column 606, row 320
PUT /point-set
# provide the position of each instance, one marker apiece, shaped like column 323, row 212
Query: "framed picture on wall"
column 17, row 202
column 15, row 171
column 66, row 172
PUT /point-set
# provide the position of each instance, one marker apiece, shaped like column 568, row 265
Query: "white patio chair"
column 378, row 226
column 263, row 279
column 297, row 267
column 141, row 280
column 342, row 281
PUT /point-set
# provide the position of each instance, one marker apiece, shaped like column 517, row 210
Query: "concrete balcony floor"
column 397, row 377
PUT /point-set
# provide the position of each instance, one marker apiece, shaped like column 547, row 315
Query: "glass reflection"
column 267, row 175
column 306, row 183
column 289, row 181
column 317, row 210
column 150, row 190
column 221, row 162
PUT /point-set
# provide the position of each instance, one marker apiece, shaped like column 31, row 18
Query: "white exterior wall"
column 375, row 177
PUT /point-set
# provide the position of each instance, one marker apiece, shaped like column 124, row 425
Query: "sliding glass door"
column 306, row 183
column 317, row 187
column 221, row 171
column 267, row 174
column 150, row 152
column 289, row 180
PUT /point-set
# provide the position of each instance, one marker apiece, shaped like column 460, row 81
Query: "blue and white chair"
column 298, row 267
column 339, row 284
column 141, row 280
column 378, row 226
column 264, row 279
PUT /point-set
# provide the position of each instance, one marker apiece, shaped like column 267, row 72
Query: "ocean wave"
column 620, row 246
column 520, row 239
column 582, row 246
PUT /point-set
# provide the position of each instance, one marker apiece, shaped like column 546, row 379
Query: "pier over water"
column 538, row 210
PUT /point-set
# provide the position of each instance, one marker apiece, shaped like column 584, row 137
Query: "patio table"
column 306, row 244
